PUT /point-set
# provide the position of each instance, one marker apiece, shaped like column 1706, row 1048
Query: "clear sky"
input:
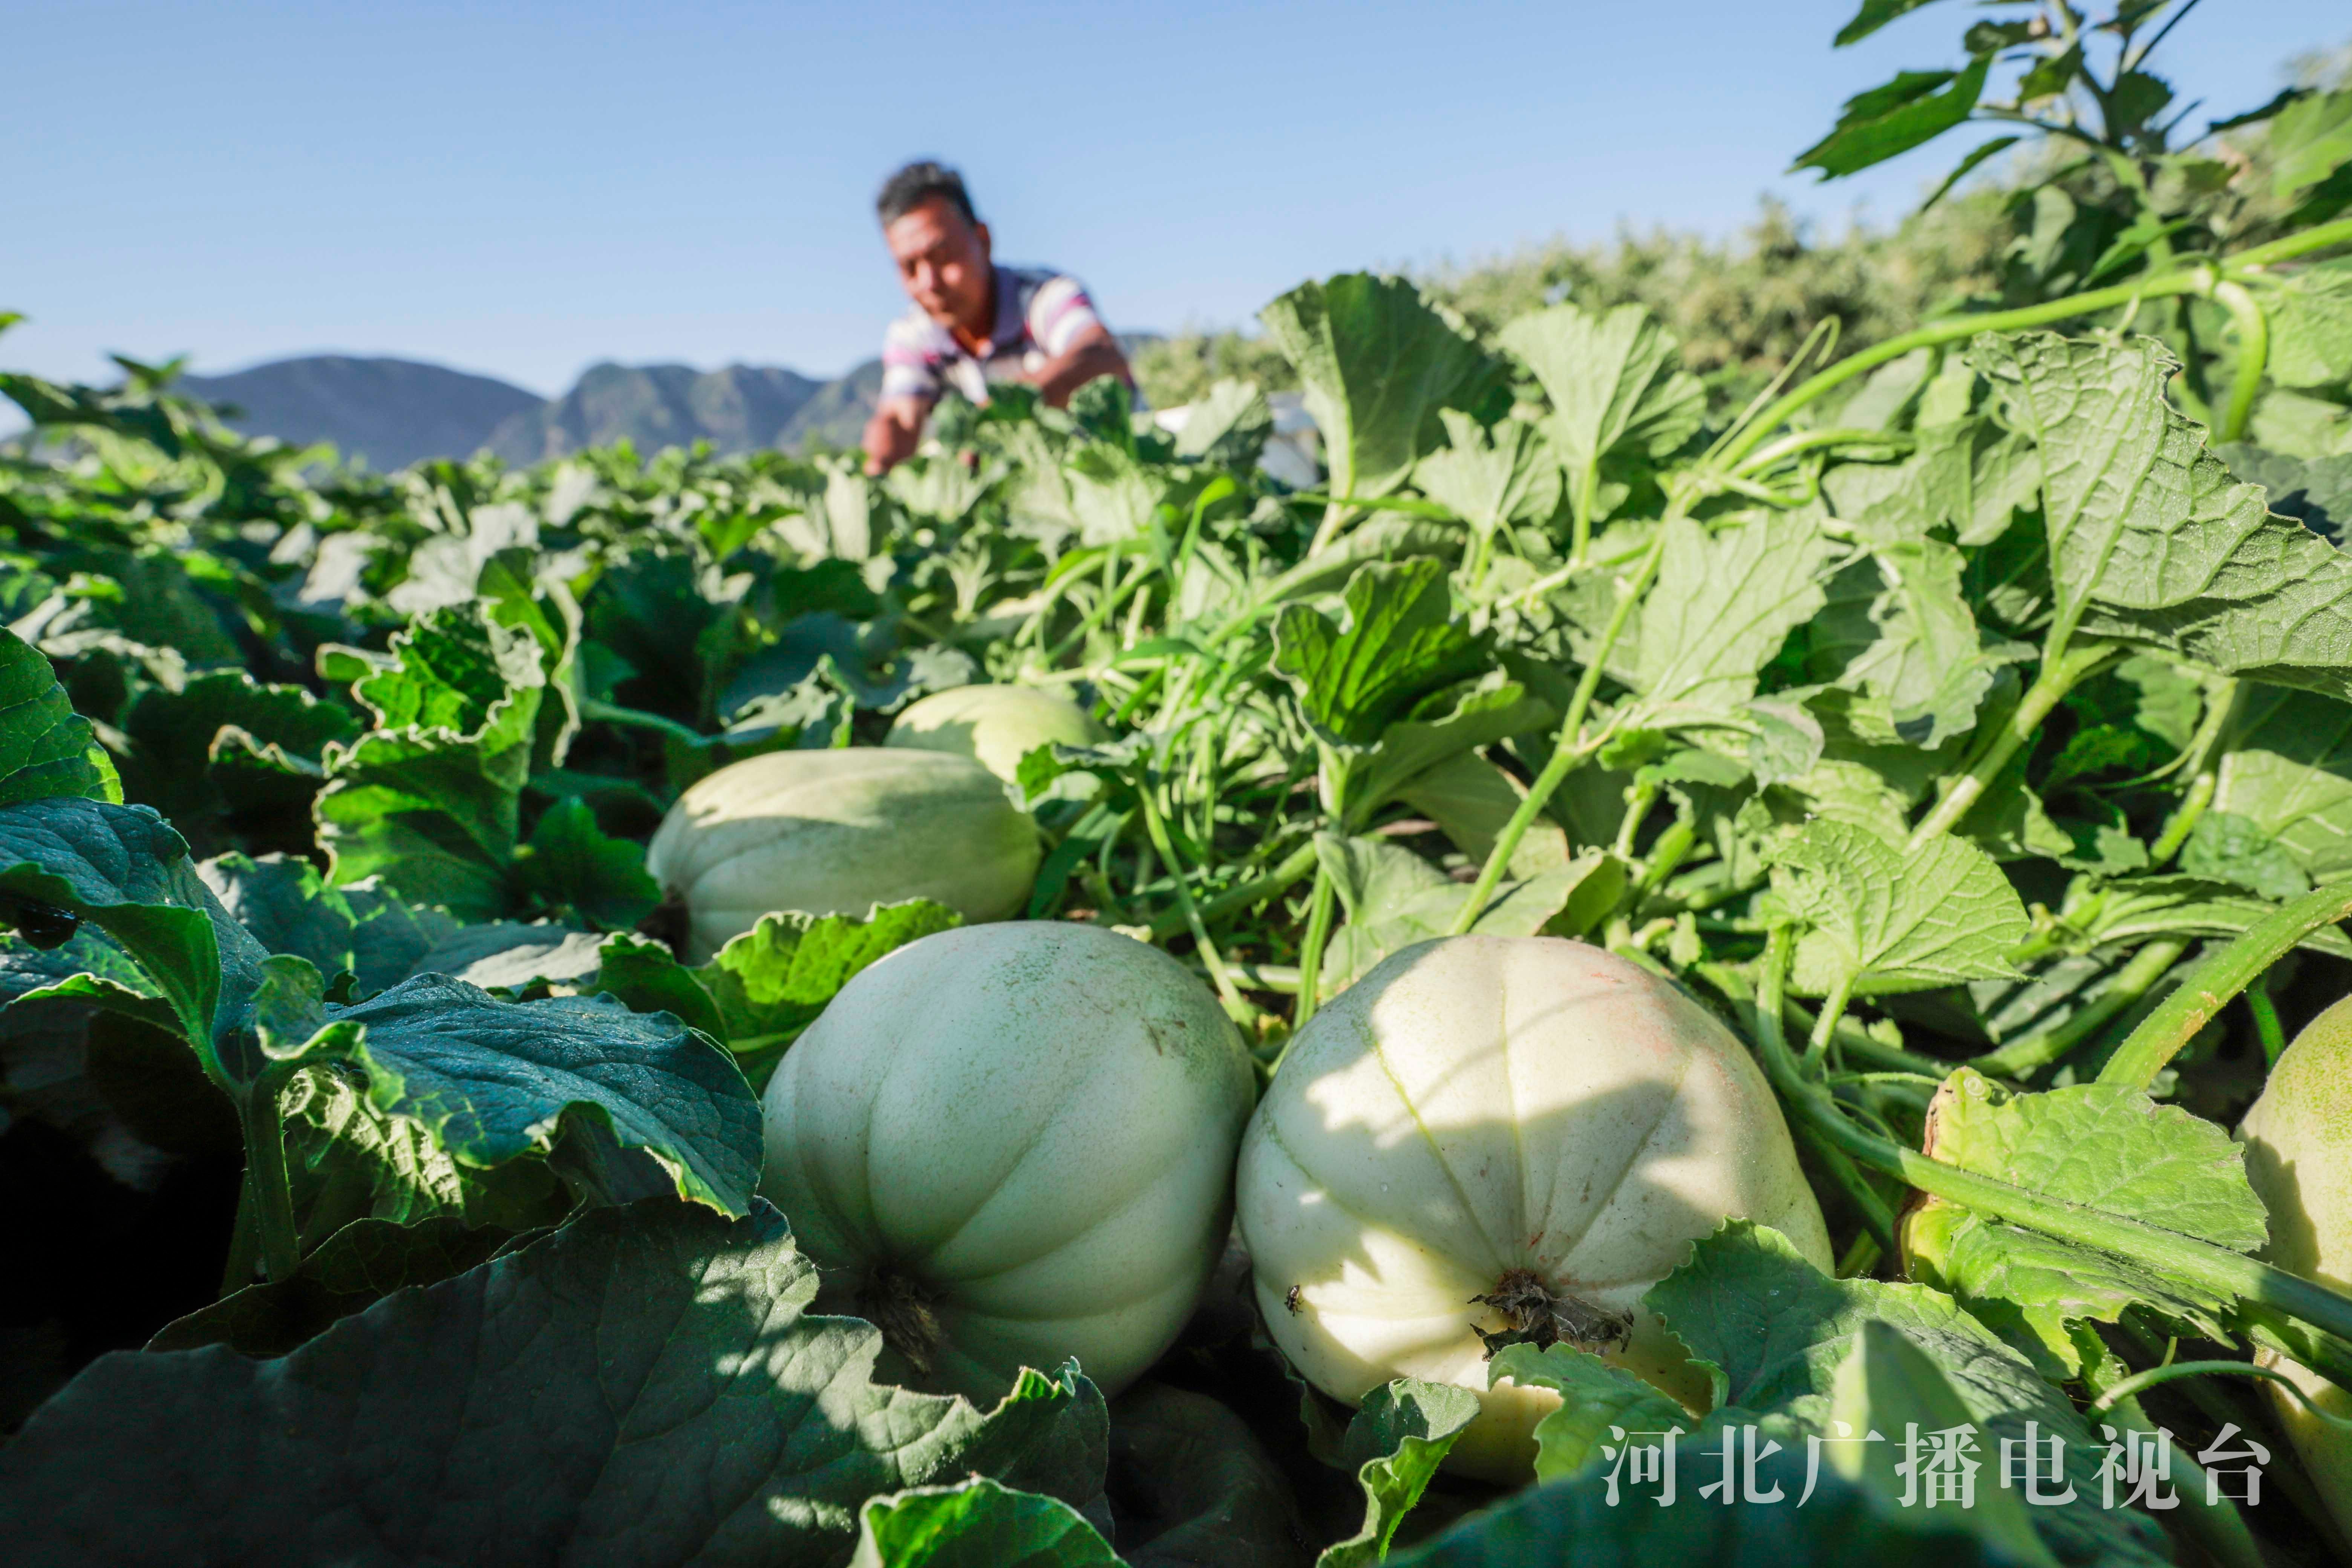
column 525, row 188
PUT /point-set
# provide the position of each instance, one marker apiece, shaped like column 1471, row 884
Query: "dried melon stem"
column 1538, row 1315
column 901, row 1307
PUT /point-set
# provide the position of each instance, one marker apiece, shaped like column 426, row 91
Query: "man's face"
column 943, row 264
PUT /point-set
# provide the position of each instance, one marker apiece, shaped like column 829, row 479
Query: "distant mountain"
column 394, row 412
column 390, row 411
column 742, row 408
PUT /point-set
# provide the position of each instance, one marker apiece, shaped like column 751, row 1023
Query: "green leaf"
column 1392, row 899
column 2150, row 541
column 1193, row 1486
column 1399, row 641
column 571, row 866
column 1594, row 1397
column 780, row 975
column 491, row 1081
column 1493, row 479
column 1874, row 15
column 124, row 871
column 644, row 1381
column 1890, row 1384
column 357, row 1267
column 1400, row 1433
column 2107, row 1146
column 1444, row 725
column 2133, row 910
column 288, row 908
column 2287, row 773
column 976, row 1524
column 1471, row 800
column 1228, row 427
column 2314, row 491
column 1886, row 918
column 1771, row 1328
column 1722, row 605
column 2310, row 312
column 45, row 748
column 226, row 742
column 1916, row 108
column 431, row 799
column 1113, row 496
column 1377, row 361
column 1929, row 664
column 647, row 977
column 1615, row 382
column 2309, row 139
column 2227, row 847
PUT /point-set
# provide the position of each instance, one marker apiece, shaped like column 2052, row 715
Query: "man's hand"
column 1093, row 352
column 894, row 432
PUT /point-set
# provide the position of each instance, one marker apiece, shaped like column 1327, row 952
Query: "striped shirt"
column 1038, row 313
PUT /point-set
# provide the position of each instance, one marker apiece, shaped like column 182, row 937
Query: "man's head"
column 940, row 245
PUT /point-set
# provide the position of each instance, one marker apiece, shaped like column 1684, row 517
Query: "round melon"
column 2298, row 1139
column 1007, row 1145
column 1518, row 1117
column 995, row 726
column 836, row 833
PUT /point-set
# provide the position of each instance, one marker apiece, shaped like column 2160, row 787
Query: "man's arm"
column 1091, row 352
column 894, row 432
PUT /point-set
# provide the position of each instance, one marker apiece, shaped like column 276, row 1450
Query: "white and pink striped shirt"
column 1038, row 313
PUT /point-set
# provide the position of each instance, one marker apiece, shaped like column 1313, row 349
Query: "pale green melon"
column 995, row 726
column 2298, row 1139
column 1011, row 1144
column 1484, row 1115
column 836, row 833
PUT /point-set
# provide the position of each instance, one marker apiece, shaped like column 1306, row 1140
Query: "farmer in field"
column 974, row 322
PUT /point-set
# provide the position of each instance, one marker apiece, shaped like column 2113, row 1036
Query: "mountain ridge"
column 390, row 412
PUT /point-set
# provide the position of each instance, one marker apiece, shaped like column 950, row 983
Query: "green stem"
column 2157, row 1376
column 1226, row 992
column 2217, row 1526
column 2253, row 355
column 1817, row 1047
column 2129, row 984
column 2205, row 992
column 1877, row 1214
column 2058, row 677
column 1567, row 752
column 2257, row 1285
column 2318, row 238
column 1286, row 875
column 265, row 1180
column 2220, row 703
column 1310, row 948
column 2195, row 279
column 244, row 1244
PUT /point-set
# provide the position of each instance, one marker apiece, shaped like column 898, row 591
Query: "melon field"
column 1646, row 973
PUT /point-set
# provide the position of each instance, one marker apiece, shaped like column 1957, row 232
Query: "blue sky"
column 523, row 189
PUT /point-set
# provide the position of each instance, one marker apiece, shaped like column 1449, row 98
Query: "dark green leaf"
column 643, row 1384
column 1400, row 642
column 491, row 1080
column 1376, row 362
column 357, row 1266
column 1917, row 107
column 1874, row 15
column 571, row 866
column 976, row 1524
column 45, row 748
column 1401, row 1431
column 1191, row 1486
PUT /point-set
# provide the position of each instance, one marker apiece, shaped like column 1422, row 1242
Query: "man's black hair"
column 920, row 181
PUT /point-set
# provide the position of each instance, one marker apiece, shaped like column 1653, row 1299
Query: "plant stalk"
column 2256, row 1285
column 1567, row 752
column 2253, row 356
column 2194, row 1003
column 2050, row 688
column 2123, row 989
column 265, row 1188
